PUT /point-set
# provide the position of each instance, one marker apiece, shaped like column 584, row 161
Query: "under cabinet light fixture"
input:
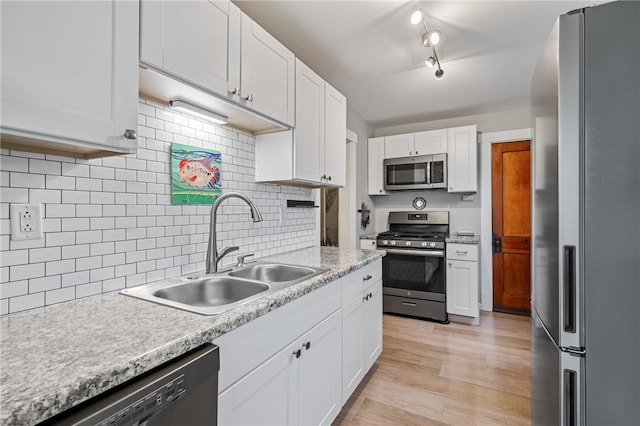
column 429, row 38
column 199, row 112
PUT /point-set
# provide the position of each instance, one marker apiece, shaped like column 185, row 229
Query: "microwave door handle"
column 429, row 179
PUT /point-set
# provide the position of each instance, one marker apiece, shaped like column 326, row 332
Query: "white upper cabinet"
column 421, row 143
column 267, row 73
column 211, row 54
column 335, row 137
column 376, row 168
column 70, row 77
column 399, row 145
column 191, row 40
column 462, row 160
column 314, row 153
column 430, row 142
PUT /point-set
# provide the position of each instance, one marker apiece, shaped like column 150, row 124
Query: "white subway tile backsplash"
column 110, row 223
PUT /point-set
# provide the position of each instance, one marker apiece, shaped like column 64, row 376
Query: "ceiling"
column 370, row 52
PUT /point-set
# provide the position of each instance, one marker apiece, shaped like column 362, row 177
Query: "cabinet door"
column 267, row 73
column 462, row 288
column 189, row 39
column 398, row 145
column 70, row 72
column 266, row 396
column 335, row 136
column 431, row 142
column 352, row 345
column 462, row 159
column 310, row 130
column 372, row 324
column 376, row 154
column 319, row 384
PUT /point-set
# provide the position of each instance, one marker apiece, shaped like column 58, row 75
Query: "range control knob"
column 393, row 243
column 423, row 244
column 407, row 243
column 432, row 244
column 385, row 242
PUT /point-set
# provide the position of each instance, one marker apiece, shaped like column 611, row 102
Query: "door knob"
column 497, row 244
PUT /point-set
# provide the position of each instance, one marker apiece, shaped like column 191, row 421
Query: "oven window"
column 416, row 273
column 407, row 174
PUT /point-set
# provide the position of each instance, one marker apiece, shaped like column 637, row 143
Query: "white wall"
column 364, row 131
column 109, row 223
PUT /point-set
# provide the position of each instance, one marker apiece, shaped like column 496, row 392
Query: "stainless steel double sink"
column 217, row 293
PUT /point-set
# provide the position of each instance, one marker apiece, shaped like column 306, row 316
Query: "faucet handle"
column 226, row 250
column 241, row 259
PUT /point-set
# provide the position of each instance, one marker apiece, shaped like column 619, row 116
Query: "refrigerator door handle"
column 571, row 387
column 569, row 288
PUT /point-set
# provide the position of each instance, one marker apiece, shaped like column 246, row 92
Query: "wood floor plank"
column 447, row 374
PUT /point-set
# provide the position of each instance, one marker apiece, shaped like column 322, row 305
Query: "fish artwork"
column 199, row 173
column 195, row 174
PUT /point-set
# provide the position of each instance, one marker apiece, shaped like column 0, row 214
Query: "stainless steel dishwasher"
column 180, row 392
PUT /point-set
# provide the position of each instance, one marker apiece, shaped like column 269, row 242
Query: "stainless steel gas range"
column 413, row 271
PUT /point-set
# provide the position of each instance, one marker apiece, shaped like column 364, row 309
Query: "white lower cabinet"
column 287, row 367
column 462, row 281
column 361, row 326
column 298, row 385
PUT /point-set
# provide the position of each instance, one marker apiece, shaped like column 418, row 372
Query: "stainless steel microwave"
column 417, row 172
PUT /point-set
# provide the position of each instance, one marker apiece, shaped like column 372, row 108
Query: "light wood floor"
column 454, row 374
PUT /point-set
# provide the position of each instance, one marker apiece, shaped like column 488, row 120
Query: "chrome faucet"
column 213, row 254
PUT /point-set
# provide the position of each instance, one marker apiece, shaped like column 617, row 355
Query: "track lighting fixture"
column 429, row 38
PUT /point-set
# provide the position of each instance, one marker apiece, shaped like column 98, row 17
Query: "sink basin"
column 217, row 293
column 273, row 272
column 213, row 291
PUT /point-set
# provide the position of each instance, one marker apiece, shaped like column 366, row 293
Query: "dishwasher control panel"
column 147, row 406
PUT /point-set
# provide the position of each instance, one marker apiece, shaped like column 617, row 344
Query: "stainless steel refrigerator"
column 585, row 340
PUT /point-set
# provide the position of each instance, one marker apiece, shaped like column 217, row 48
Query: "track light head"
column 430, row 62
column 416, row 17
column 439, row 73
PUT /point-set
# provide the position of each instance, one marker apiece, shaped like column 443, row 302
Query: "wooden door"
column 511, row 205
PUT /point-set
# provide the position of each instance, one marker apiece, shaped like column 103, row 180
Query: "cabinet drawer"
column 354, row 283
column 462, row 251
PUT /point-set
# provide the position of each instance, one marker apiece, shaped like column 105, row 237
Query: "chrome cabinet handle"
column 417, row 153
column 450, row 264
column 235, row 91
column 451, row 188
column 297, row 353
column 248, row 98
column 461, row 252
column 307, row 345
column 367, row 278
column 130, row 134
column 409, row 304
column 381, row 190
column 410, row 152
column 328, row 177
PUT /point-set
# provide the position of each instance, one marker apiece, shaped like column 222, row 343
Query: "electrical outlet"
column 26, row 221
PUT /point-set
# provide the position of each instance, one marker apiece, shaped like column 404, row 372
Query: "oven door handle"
column 421, row 253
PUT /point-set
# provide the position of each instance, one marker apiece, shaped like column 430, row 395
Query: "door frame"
column 486, row 227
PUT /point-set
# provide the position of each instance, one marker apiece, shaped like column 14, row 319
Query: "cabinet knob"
column 381, row 190
column 328, row 177
column 235, row 91
column 130, row 134
column 451, row 188
column 307, row 345
column 248, row 98
column 417, row 153
column 410, row 152
column 367, row 278
column 297, row 353
column 365, row 298
column 450, row 264
column 323, row 177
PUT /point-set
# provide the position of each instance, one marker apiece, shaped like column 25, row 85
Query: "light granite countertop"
column 463, row 239
column 55, row 357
